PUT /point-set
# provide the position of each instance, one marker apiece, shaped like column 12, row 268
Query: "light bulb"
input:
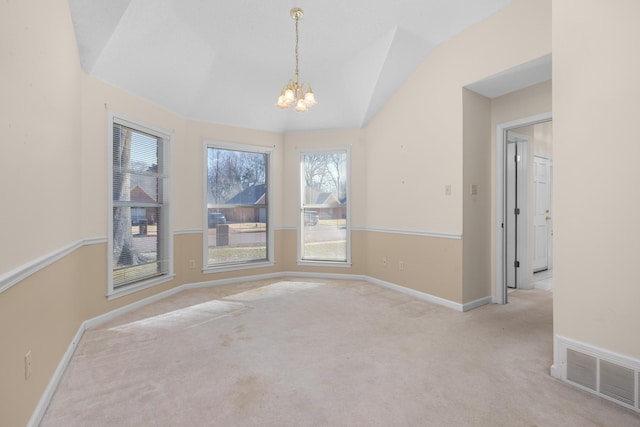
column 288, row 96
column 301, row 107
column 310, row 99
column 282, row 103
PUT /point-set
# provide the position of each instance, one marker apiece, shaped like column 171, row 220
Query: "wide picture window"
column 140, row 245
column 237, row 229
column 324, row 211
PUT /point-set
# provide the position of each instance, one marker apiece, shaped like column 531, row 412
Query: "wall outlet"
column 192, row 264
column 401, row 265
column 27, row 365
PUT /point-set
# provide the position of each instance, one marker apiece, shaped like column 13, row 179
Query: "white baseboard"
column 417, row 294
column 43, row 404
column 477, row 303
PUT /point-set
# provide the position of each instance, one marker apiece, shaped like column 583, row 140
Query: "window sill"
column 339, row 264
column 135, row 287
column 236, row 267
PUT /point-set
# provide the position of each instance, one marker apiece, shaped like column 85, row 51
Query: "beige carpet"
column 330, row 353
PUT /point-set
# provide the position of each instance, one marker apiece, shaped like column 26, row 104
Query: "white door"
column 516, row 219
column 542, row 213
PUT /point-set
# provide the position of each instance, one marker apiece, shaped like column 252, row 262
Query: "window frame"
column 243, row 265
column 301, row 152
column 165, row 219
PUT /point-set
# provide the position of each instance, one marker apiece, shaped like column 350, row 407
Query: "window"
column 140, row 248
column 237, row 231
column 324, row 226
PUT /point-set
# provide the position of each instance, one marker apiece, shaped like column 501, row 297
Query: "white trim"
column 46, row 397
column 94, row 241
column 138, row 286
column 18, row 274
column 559, row 368
column 249, row 265
column 231, row 281
column 468, row 306
column 438, row 235
column 417, row 294
column 435, row 234
column 183, row 232
column 324, row 263
column 501, row 128
column 320, row 276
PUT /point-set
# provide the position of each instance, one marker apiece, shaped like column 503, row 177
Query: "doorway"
column 524, row 174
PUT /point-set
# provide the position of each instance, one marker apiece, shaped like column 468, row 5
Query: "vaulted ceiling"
column 226, row 61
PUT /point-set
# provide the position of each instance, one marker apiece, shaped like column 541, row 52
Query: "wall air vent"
column 582, row 369
column 617, row 382
column 606, row 374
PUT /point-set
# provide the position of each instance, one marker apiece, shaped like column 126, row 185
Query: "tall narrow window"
column 324, row 211
column 237, row 231
column 140, row 247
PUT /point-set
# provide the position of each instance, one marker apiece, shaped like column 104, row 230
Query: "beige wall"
column 41, row 314
column 40, row 116
column 476, row 207
column 41, row 195
column 415, row 145
column 595, row 100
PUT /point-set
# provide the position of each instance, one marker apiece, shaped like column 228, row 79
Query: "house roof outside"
column 254, row 195
column 318, row 198
column 327, row 199
column 138, row 194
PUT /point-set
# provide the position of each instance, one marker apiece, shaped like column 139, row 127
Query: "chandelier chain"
column 294, row 92
column 297, row 57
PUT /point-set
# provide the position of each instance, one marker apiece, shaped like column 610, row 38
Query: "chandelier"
column 294, row 92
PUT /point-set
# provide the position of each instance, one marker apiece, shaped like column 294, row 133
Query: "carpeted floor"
column 323, row 353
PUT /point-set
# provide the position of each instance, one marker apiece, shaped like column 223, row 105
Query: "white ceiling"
column 226, row 61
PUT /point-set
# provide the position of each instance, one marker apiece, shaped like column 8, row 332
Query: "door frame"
column 500, row 295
